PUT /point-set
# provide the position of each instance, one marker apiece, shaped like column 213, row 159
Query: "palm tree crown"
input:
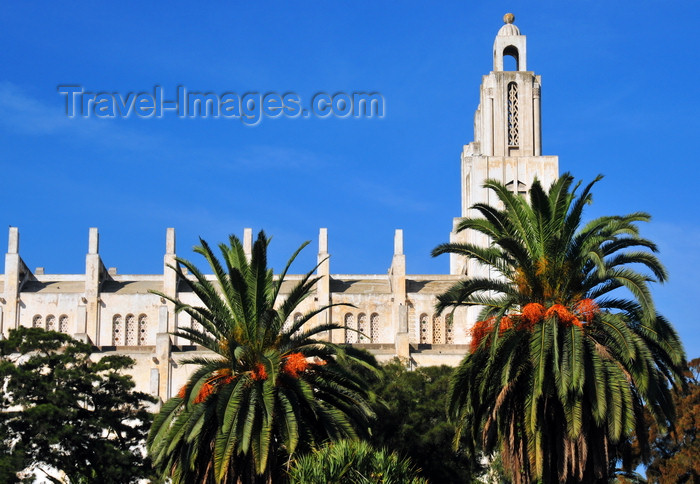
column 271, row 388
column 568, row 347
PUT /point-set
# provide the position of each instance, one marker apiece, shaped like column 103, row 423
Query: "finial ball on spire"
column 508, row 18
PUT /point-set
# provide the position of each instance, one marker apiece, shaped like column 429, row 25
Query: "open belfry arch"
column 394, row 310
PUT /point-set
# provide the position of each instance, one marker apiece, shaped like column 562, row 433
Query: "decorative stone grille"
column 143, row 324
column 374, row 328
column 131, row 330
column 63, row 323
column 36, row 321
column 350, row 334
column 362, row 328
column 424, row 329
column 437, row 330
column 513, row 123
column 117, row 331
column 50, row 322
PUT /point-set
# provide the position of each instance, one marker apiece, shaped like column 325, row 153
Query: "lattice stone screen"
column 513, row 122
column 63, row 323
column 196, row 326
column 131, row 331
column 449, row 329
column 374, row 328
column 350, row 334
column 424, row 330
column 362, row 328
column 437, row 330
column 117, row 331
column 143, row 329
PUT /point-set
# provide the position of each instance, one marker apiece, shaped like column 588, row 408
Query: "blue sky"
column 619, row 98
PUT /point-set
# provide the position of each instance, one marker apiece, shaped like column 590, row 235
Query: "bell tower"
column 507, row 142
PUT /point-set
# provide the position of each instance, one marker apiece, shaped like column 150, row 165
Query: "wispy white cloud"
column 279, row 157
column 255, row 158
column 389, row 197
column 21, row 113
column 24, row 114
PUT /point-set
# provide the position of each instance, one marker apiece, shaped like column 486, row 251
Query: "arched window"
column 131, row 336
column 117, row 331
column 424, row 329
column 350, row 334
column 143, row 329
column 374, row 328
column 36, row 321
column 437, row 329
column 50, row 322
column 362, row 328
column 449, row 329
column 512, row 108
column 63, row 323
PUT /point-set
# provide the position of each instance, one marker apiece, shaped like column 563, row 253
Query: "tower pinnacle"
column 508, row 18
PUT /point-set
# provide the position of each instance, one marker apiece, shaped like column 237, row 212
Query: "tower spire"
column 507, row 142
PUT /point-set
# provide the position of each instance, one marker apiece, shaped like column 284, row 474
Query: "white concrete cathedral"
column 117, row 313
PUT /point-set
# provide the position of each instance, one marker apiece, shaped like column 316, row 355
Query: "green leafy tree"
column 61, row 410
column 270, row 390
column 353, row 462
column 568, row 348
column 412, row 421
column 675, row 455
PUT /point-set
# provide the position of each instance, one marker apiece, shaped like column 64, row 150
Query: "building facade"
column 394, row 312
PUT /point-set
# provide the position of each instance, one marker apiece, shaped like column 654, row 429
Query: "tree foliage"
column 353, row 462
column 569, row 347
column 62, row 410
column 675, row 456
column 412, row 421
column 273, row 387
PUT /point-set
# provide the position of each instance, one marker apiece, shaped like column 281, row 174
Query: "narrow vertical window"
column 63, row 323
column 350, row 334
column 143, row 329
column 117, row 331
column 423, row 326
column 374, row 328
column 131, row 337
column 513, row 124
column 36, row 321
column 50, row 322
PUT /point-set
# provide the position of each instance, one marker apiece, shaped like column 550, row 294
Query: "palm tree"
column 353, row 462
column 271, row 389
column 568, row 347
